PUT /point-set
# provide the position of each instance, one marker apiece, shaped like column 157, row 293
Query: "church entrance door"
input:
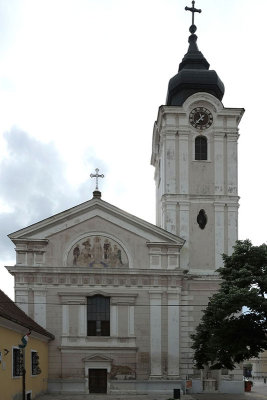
column 97, row 380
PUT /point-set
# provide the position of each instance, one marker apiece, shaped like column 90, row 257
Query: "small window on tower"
column 201, row 148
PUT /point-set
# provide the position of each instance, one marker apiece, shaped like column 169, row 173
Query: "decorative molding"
column 97, row 358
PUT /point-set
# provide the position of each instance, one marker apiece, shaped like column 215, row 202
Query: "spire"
column 193, row 58
column 193, row 74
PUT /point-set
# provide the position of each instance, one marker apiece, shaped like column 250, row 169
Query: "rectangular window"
column 98, row 316
column 35, row 363
column 201, row 148
column 17, row 361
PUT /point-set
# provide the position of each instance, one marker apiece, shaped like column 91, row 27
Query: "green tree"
column 233, row 327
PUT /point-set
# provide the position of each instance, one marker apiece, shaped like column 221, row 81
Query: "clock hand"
column 200, row 118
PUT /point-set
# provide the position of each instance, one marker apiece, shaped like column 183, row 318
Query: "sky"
column 80, row 86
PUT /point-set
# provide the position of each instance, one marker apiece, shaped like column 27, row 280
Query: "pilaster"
column 40, row 307
column 232, row 164
column 22, row 299
column 131, row 321
column 65, row 320
column 82, row 329
column 173, row 334
column 219, row 234
column 184, row 232
column 155, row 334
column 232, row 219
column 219, row 163
column 183, row 162
column 114, row 320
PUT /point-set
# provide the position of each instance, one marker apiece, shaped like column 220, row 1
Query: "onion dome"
column 193, row 75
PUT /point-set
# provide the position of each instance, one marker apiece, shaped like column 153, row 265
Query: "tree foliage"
column 233, row 327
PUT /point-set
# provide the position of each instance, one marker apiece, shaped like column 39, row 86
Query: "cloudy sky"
column 80, row 86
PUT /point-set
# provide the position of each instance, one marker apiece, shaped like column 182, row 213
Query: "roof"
column 42, row 230
column 9, row 310
column 193, row 76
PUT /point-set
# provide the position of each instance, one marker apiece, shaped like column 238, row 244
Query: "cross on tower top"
column 96, row 176
column 193, row 11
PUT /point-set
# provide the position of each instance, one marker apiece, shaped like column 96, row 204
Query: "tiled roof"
column 10, row 311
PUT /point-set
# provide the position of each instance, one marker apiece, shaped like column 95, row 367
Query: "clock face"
column 200, row 118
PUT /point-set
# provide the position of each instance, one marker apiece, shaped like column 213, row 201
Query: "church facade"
column 122, row 296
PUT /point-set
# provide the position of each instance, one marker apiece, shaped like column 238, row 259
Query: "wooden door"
column 97, row 380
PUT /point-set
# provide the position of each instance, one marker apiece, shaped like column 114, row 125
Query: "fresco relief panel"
column 97, row 252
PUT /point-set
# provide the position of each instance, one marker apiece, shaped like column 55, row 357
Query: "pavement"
column 258, row 392
column 108, row 397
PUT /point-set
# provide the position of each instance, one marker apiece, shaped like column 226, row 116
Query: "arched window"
column 98, row 316
column 201, row 148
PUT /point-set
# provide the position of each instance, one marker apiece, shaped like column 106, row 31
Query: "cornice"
column 208, row 198
column 68, row 219
column 87, row 347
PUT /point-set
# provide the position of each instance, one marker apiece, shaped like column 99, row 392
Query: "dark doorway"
column 97, row 381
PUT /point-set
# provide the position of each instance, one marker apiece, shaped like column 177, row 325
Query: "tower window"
column 201, row 148
column 98, row 316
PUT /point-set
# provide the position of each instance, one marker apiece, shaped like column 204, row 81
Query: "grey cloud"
column 33, row 185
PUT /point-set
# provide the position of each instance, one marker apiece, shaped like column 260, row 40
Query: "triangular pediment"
column 44, row 229
column 97, row 358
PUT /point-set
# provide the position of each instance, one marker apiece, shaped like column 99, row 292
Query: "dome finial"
column 193, row 75
column 193, row 10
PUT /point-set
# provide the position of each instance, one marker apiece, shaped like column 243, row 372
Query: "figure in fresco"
column 76, row 253
column 97, row 250
column 114, row 257
column 119, row 256
column 107, row 249
column 86, row 255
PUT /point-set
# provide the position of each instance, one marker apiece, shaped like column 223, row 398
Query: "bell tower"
column 194, row 152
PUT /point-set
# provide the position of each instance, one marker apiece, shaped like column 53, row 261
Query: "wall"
column 11, row 388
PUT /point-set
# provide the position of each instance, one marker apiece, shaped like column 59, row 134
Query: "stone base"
column 66, row 386
column 117, row 386
column 165, row 387
column 146, row 387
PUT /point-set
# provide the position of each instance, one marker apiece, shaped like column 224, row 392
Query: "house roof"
column 10, row 311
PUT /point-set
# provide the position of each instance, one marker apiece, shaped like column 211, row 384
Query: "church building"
column 122, row 296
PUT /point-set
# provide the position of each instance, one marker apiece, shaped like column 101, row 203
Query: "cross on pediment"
column 193, row 11
column 96, row 176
